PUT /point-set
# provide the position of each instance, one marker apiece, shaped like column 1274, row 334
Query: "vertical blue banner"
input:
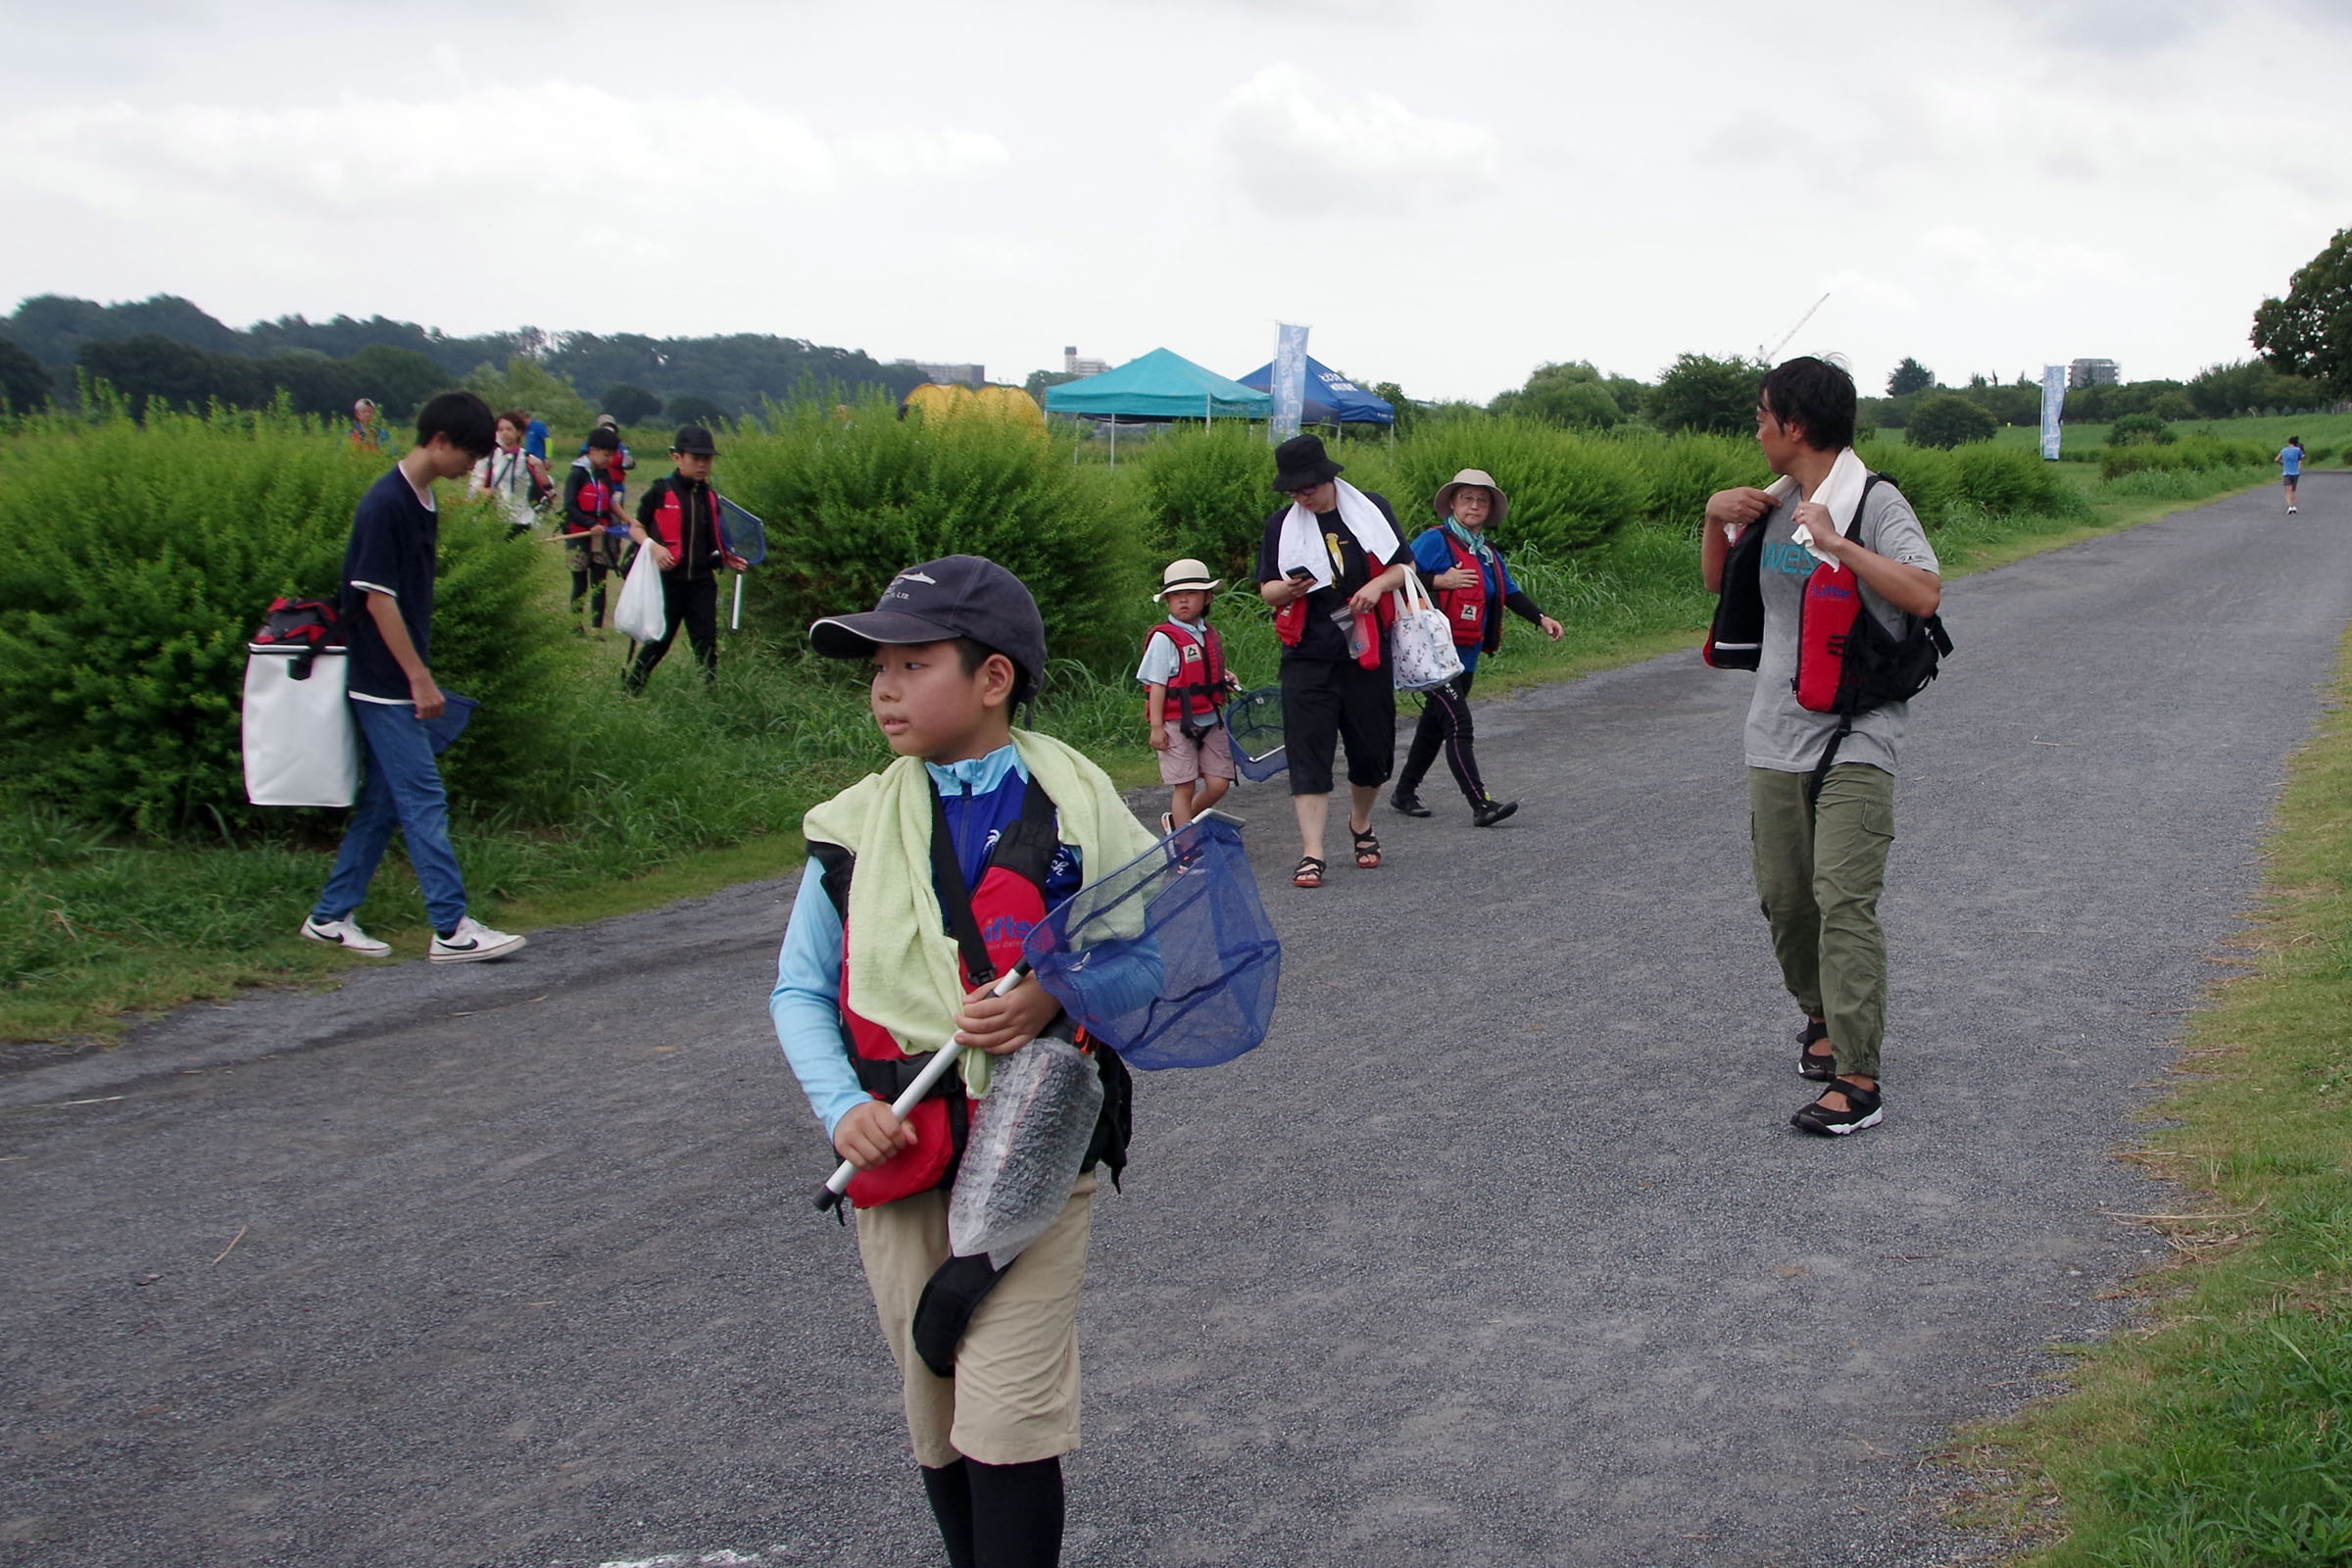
column 1289, row 382
column 2053, row 400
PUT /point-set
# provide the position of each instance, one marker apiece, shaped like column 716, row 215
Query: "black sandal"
column 1862, row 1110
column 1816, row 1065
column 1367, row 850
column 1309, row 873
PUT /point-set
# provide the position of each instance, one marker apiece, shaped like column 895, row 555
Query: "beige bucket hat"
column 1443, row 506
column 1186, row 574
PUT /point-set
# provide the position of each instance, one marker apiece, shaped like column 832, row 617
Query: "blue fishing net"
column 1170, row 957
column 1253, row 722
column 741, row 533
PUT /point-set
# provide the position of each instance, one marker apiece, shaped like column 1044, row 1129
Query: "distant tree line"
column 168, row 347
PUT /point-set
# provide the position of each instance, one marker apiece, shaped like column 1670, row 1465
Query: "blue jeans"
column 402, row 784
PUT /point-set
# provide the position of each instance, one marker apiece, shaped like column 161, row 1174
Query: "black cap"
column 694, row 441
column 957, row 596
column 1301, row 462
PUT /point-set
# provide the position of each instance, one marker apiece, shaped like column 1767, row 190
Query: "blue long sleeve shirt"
column 1433, row 554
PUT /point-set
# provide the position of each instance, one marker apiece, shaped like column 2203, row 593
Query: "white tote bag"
column 1421, row 650
column 640, row 616
column 302, row 746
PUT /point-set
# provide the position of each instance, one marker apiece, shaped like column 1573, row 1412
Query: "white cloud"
column 2020, row 269
column 359, row 155
column 1295, row 146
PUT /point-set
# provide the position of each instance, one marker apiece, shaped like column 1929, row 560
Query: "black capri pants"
column 1337, row 700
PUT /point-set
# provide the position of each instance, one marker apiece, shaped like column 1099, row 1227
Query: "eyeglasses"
column 1304, row 491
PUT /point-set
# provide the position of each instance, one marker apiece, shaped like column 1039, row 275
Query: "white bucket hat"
column 1443, row 506
column 1186, row 574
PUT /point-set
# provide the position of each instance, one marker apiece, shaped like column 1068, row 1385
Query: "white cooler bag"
column 302, row 746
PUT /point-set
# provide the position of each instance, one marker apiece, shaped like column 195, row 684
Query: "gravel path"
column 1501, row 1251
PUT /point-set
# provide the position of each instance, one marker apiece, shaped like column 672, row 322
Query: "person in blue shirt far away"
column 2290, row 459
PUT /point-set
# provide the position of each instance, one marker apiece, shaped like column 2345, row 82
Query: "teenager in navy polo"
column 387, row 609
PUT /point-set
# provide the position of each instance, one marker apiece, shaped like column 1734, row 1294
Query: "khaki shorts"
column 1014, row 1395
column 1185, row 759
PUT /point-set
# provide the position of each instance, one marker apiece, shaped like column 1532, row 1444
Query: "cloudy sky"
column 1449, row 193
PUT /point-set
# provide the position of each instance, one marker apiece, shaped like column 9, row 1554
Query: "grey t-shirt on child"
column 1781, row 735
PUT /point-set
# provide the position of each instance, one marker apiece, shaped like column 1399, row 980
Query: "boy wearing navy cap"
column 921, row 883
column 678, row 521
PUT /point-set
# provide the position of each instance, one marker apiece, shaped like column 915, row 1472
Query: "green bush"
column 2140, row 429
column 1684, row 470
column 851, row 501
column 1209, row 492
column 2191, row 454
column 1568, row 492
column 142, row 556
column 1946, row 419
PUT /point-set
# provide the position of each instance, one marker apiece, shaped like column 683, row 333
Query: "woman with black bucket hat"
column 678, row 521
column 1325, row 564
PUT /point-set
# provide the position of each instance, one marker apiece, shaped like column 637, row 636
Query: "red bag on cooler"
column 1825, row 621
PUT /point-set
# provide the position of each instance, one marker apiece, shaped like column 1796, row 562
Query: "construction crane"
column 1768, row 354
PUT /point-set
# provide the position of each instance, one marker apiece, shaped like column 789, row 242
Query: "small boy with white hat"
column 1185, row 684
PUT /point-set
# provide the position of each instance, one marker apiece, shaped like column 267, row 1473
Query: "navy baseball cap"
column 956, row 596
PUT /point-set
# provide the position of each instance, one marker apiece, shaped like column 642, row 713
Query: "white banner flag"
column 2053, row 400
column 1289, row 382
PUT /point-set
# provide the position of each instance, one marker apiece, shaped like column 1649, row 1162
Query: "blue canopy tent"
column 1331, row 398
column 1160, row 385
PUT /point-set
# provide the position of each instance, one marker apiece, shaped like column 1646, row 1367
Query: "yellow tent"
column 1007, row 405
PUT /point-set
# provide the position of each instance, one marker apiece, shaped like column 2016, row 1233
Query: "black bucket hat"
column 956, row 596
column 1301, row 462
column 694, row 441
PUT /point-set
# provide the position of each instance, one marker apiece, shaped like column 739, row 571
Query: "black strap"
column 954, row 899
column 1828, row 754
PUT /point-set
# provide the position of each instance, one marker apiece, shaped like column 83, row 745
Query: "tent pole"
column 1114, row 440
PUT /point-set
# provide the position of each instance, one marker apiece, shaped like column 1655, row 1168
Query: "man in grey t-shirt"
column 1820, row 860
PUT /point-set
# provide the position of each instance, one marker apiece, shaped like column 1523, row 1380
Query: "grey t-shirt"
column 1779, row 734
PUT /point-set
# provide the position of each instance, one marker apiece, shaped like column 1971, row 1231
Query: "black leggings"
column 998, row 1515
column 690, row 603
column 588, row 567
column 1445, row 722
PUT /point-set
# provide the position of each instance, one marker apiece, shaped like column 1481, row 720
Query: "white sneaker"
column 343, row 934
column 472, row 942
column 2291, row 511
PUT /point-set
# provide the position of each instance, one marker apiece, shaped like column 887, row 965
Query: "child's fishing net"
column 743, row 534
column 1253, row 720
column 1170, row 959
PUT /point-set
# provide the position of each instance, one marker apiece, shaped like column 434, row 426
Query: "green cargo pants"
column 1820, row 870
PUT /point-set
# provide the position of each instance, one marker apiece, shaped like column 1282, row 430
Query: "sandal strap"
column 1367, row 839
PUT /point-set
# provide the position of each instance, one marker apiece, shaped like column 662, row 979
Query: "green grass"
column 2219, row 1431
column 2330, row 430
column 684, row 791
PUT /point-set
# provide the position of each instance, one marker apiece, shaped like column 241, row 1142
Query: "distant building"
column 2094, row 373
column 1072, row 365
column 971, row 375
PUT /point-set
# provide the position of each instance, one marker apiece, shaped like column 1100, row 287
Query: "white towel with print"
column 1301, row 543
column 1840, row 492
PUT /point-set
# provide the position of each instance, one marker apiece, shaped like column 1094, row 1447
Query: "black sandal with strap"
column 1309, row 873
column 1367, row 850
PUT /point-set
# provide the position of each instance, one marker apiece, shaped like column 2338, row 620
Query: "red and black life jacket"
column 1198, row 690
column 670, row 524
column 1470, row 611
column 595, row 501
column 989, row 926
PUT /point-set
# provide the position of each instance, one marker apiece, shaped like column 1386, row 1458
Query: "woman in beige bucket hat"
column 1473, row 587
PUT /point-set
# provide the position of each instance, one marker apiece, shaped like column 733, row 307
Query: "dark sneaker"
column 1408, row 802
column 1862, row 1110
column 1819, row 1065
column 1489, row 811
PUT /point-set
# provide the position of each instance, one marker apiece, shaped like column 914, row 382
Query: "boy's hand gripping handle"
column 946, row 1057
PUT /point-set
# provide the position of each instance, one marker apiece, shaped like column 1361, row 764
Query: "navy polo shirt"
column 393, row 539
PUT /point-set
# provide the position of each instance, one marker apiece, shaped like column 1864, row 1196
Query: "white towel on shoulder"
column 1840, row 492
column 1303, row 544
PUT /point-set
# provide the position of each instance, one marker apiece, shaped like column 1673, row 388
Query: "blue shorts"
column 2293, row 477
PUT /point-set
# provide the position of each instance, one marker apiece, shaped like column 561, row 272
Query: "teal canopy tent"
column 1162, row 385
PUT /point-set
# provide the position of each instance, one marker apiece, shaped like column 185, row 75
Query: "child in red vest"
column 1185, row 687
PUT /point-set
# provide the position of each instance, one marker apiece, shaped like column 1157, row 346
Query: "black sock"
column 1016, row 1513
column 951, row 1496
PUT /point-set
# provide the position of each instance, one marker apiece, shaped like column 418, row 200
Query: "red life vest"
column 669, row 523
column 1824, row 620
column 595, row 502
column 1010, row 900
column 1199, row 690
column 1470, row 611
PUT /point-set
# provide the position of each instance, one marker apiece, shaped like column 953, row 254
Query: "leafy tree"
column 1039, row 380
column 1910, row 376
column 688, row 408
column 24, row 379
column 1699, row 392
column 1571, row 395
column 1947, row 419
column 2309, row 332
column 2248, row 386
column 1407, row 411
column 147, row 368
column 399, row 380
column 526, row 383
column 631, row 403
